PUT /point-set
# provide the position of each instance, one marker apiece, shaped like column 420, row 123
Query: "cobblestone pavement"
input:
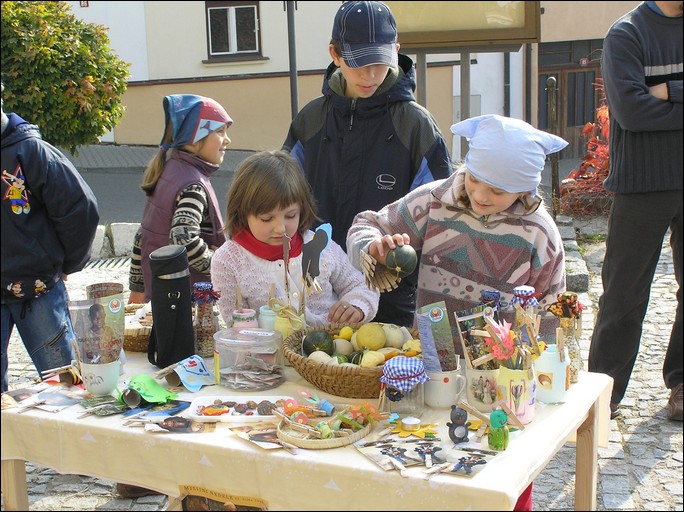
column 640, row 470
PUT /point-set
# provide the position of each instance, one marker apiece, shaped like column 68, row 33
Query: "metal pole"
column 290, row 7
column 465, row 95
column 421, row 72
column 553, row 128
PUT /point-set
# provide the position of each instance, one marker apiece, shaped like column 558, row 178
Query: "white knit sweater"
column 234, row 267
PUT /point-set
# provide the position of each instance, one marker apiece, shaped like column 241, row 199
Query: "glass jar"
column 205, row 322
column 402, row 390
column 246, row 359
column 553, row 375
column 570, row 328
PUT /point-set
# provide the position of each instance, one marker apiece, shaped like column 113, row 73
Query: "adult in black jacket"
column 366, row 142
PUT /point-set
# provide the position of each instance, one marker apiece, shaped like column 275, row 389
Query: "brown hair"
column 265, row 181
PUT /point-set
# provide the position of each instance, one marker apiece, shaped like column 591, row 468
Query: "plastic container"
column 246, row 359
column 553, row 375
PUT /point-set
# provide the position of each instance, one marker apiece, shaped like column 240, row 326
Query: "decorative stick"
column 511, row 415
column 471, row 410
column 286, row 264
column 560, row 344
column 482, row 360
column 466, row 354
column 238, row 299
column 533, row 339
column 55, row 371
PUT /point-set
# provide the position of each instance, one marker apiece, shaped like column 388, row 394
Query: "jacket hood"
column 18, row 130
column 398, row 86
column 451, row 192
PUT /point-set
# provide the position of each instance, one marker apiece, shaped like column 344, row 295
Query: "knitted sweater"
column 233, row 267
column 643, row 49
column 463, row 254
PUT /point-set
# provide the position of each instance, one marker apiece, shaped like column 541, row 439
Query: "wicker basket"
column 287, row 433
column 345, row 381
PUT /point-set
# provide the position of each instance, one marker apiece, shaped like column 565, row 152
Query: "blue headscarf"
column 189, row 118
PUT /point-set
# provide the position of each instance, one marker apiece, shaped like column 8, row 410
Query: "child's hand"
column 378, row 248
column 136, row 298
column 344, row 313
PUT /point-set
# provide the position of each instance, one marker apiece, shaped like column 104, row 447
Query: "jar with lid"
column 569, row 310
column 568, row 330
column 553, row 375
column 246, row 359
column 205, row 322
column 402, row 389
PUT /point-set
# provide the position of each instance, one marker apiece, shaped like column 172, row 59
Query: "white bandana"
column 506, row 153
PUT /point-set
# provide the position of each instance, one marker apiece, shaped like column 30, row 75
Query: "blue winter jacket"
column 361, row 154
column 49, row 214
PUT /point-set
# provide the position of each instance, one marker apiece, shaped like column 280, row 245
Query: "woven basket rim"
column 344, row 381
column 289, row 435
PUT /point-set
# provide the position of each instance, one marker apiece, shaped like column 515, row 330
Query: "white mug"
column 444, row 389
column 100, row 379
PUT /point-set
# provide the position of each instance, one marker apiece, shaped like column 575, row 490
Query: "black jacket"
column 361, row 154
column 49, row 214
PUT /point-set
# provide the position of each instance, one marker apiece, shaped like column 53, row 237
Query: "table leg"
column 586, row 463
column 14, row 492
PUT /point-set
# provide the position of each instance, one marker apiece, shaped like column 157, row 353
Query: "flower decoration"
column 505, row 347
column 502, row 346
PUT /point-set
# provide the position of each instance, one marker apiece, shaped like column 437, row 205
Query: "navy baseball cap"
column 367, row 33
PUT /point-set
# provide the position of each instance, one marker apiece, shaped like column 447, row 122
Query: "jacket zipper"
column 353, row 111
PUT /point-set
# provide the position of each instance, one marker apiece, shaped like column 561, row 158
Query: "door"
column 576, row 102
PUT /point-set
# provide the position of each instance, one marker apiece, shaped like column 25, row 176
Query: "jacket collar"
column 451, row 193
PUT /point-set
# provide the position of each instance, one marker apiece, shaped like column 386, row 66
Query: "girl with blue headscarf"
column 182, row 208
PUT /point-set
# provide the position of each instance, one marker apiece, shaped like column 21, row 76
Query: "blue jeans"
column 45, row 328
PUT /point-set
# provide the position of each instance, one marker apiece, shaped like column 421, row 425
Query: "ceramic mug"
column 100, row 379
column 444, row 389
column 481, row 388
column 518, row 388
column 245, row 318
column 266, row 318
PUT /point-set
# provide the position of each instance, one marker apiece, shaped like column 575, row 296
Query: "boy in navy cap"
column 366, row 142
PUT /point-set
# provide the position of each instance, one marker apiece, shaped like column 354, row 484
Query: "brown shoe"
column 133, row 491
column 675, row 403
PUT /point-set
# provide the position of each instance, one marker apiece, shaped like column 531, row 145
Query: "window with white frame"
column 233, row 30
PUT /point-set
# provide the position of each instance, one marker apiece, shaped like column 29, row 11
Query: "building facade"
column 242, row 54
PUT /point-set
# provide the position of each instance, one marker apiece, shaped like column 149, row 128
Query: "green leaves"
column 59, row 73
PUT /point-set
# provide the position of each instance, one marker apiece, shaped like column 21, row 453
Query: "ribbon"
column 283, row 310
column 203, row 293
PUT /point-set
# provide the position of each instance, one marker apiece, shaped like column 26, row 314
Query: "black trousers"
column 637, row 226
